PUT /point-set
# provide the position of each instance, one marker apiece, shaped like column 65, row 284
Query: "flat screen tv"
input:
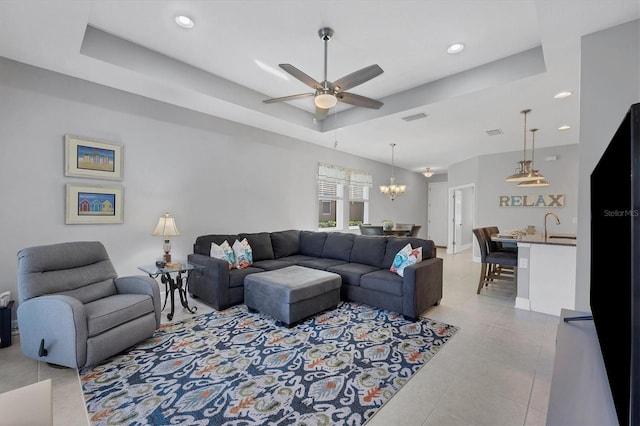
column 615, row 264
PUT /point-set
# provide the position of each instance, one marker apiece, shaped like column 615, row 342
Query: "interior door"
column 437, row 211
column 457, row 221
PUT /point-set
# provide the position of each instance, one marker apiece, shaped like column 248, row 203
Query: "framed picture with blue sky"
column 90, row 158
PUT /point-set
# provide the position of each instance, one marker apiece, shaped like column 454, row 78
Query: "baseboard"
column 522, row 303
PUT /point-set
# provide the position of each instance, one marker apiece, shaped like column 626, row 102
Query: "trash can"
column 5, row 325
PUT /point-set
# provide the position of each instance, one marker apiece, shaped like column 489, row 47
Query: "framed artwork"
column 89, row 204
column 92, row 158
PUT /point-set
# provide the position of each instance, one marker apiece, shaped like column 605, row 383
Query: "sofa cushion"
column 236, row 276
column 368, row 250
column 203, row 242
column 384, row 281
column 320, row 263
column 351, row 272
column 285, row 243
column 109, row 312
column 271, row 265
column 296, row 258
column 260, row 243
column 312, row 243
column 338, row 246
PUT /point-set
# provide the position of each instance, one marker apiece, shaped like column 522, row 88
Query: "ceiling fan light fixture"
column 325, row 100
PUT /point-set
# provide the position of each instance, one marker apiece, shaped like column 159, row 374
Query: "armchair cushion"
column 109, row 312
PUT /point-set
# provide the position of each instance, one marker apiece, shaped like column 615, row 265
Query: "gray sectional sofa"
column 362, row 261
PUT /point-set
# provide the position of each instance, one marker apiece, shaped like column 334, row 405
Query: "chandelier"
column 524, row 166
column 392, row 190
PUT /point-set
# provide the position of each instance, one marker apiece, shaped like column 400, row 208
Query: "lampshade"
column 534, row 183
column 166, row 226
column 325, row 100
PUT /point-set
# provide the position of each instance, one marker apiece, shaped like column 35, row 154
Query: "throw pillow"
column 224, row 252
column 406, row 257
column 243, row 253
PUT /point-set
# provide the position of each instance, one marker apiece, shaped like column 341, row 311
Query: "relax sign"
column 540, row 200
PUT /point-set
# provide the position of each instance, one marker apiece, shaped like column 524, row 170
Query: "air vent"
column 415, row 116
column 494, row 132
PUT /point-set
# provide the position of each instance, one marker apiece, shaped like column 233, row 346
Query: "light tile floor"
column 495, row 371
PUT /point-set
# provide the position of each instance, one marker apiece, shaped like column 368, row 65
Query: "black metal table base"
column 171, row 285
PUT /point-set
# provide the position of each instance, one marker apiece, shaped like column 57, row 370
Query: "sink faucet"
column 545, row 222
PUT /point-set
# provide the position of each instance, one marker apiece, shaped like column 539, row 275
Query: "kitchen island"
column 546, row 272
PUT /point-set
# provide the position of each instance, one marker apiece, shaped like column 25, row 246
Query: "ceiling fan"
column 327, row 93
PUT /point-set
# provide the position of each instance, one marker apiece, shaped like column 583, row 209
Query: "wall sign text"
column 540, row 200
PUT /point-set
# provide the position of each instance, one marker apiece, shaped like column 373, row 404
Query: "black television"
column 615, row 264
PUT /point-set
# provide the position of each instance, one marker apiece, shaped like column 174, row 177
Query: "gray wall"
column 609, row 84
column 488, row 173
column 213, row 175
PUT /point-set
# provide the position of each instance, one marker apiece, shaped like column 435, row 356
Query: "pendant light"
column 392, row 190
column 524, row 166
column 536, row 178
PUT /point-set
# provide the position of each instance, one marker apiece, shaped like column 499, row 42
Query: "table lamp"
column 167, row 228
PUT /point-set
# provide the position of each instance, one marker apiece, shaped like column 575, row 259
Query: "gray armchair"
column 73, row 309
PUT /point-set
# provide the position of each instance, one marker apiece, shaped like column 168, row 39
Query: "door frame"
column 451, row 218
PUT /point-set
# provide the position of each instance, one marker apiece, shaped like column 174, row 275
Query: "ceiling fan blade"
column 288, row 98
column 357, row 100
column 321, row 113
column 356, row 78
column 301, row 76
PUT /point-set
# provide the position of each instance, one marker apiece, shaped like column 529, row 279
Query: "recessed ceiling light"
column 562, row 95
column 184, row 21
column 455, row 48
column 565, row 127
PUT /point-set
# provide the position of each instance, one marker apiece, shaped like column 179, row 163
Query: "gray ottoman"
column 292, row 294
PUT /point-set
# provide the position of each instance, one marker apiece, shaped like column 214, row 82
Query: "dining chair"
column 493, row 262
column 370, row 230
column 414, row 230
column 497, row 245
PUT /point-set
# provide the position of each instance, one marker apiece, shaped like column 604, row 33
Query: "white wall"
column 213, row 175
column 609, row 84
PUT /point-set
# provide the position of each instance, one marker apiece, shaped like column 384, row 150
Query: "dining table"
column 397, row 232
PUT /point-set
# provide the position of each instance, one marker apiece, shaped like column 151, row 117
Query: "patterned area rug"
column 239, row 368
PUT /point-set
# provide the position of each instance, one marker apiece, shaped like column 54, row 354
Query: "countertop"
column 552, row 239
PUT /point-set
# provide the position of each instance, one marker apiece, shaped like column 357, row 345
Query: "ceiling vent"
column 494, row 132
column 415, row 116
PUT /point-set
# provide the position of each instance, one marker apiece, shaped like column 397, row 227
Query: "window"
column 334, row 184
column 330, row 203
column 358, row 205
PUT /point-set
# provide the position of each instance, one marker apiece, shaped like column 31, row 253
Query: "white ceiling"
column 518, row 54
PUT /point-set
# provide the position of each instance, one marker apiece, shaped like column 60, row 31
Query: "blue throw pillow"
column 406, row 257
